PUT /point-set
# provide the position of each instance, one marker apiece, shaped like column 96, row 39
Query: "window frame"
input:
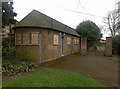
column 26, row 38
column 75, row 41
column 54, row 39
column 16, row 39
column 29, row 39
column 68, row 38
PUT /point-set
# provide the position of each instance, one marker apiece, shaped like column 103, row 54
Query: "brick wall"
column 108, row 49
column 49, row 51
column 31, row 52
column 6, row 30
column 83, row 46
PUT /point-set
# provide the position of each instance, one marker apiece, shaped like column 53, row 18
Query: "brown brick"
column 108, row 49
column 83, row 46
column 49, row 51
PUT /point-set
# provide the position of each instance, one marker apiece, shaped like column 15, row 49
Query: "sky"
column 60, row 10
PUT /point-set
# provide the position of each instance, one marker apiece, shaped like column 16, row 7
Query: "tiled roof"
column 38, row 19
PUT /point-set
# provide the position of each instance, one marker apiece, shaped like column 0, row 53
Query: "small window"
column 77, row 41
column 68, row 40
column 18, row 39
column 34, row 38
column 56, row 42
column 26, row 38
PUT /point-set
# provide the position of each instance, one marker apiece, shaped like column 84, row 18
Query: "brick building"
column 42, row 38
column 6, row 30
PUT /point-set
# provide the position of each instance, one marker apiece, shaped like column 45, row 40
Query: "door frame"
column 72, row 45
column 62, row 46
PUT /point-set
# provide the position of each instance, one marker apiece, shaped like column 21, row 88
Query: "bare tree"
column 112, row 22
column 119, row 17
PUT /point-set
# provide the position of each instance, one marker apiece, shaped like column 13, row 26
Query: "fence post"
column 83, row 46
column 108, row 49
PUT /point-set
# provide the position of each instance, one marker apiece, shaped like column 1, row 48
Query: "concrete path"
column 93, row 65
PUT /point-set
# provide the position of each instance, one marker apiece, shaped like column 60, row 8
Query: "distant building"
column 6, row 30
column 102, row 41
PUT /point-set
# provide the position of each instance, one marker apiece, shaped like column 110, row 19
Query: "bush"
column 11, row 69
column 89, row 30
column 5, row 46
column 13, row 54
column 10, row 52
column 116, row 44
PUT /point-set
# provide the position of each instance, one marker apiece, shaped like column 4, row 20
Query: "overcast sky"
column 57, row 9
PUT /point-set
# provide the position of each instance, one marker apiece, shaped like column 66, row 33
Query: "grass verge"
column 52, row 78
column 100, row 47
column 115, row 58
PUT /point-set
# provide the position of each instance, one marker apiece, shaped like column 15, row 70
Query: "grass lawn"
column 101, row 47
column 52, row 78
column 115, row 58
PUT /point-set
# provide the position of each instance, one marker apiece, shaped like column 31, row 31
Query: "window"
column 75, row 41
column 18, row 39
column 34, row 38
column 68, row 40
column 26, row 38
column 56, row 40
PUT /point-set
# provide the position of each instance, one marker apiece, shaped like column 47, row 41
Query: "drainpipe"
column 40, row 46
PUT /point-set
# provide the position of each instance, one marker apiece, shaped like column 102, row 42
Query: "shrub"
column 10, row 52
column 116, row 44
column 13, row 54
column 11, row 69
column 89, row 30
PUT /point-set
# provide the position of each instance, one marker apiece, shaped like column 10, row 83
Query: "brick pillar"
column 108, row 49
column 83, row 46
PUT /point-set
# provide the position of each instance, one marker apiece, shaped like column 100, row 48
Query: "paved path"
column 93, row 65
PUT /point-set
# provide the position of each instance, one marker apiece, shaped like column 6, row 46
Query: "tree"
column 118, row 17
column 111, row 22
column 8, row 17
column 8, row 14
column 89, row 30
column 116, row 44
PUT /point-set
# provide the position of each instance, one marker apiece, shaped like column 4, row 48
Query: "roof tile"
column 38, row 19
